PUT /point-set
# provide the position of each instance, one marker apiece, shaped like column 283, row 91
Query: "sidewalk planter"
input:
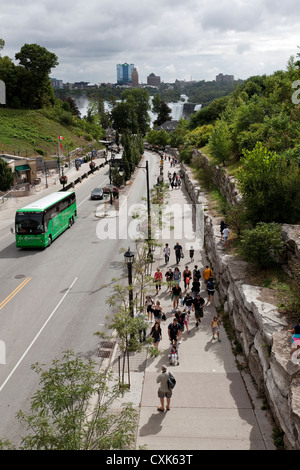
column 63, row 179
column 115, row 191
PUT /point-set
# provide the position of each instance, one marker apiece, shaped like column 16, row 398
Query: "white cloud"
column 171, row 38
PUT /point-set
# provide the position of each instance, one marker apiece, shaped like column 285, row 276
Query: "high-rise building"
column 57, row 84
column 153, row 80
column 124, row 73
column 135, row 78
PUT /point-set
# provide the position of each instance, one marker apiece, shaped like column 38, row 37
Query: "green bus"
column 39, row 223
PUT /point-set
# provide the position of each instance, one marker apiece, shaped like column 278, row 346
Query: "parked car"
column 97, row 193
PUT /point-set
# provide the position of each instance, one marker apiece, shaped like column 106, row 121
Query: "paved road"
column 52, row 300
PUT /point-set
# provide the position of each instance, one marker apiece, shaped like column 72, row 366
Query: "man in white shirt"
column 225, row 234
column 167, row 253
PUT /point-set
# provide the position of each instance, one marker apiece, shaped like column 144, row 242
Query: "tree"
column 6, row 176
column 270, row 186
column 38, row 62
column 37, row 59
column 124, row 118
column 131, row 114
column 220, row 143
column 263, row 244
column 139, row 99
column 61, row 417
column 162, row 110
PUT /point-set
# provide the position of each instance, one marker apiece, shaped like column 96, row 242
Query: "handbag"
column 171, row 381
column 182, row 255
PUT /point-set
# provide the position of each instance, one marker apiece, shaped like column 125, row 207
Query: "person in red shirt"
column 158, row 279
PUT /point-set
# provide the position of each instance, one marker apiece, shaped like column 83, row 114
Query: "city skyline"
column 178, row 41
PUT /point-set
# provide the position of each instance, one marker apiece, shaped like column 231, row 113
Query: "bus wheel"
column 49, row 240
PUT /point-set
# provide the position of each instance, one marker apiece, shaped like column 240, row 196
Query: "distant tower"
column 124, row 72
column 135, row 78
column 153, row 80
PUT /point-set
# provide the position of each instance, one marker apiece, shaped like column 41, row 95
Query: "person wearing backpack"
column 164, row 391
column 210, row 286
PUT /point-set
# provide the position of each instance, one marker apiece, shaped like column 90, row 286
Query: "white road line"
column 78, row 205
column 37, row 335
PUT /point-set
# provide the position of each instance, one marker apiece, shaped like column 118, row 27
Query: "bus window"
column 29, row 222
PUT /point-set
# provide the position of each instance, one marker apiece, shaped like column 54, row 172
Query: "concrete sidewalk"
column 214, row 405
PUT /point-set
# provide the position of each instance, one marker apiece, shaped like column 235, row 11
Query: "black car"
column 97, row 193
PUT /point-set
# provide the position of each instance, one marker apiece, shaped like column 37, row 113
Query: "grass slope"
column 30, row 131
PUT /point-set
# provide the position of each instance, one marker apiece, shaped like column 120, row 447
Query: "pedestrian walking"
column 207, row 273
column 188, row 303
column 176, row 295
column 215, row 328
column 167, row 253
column 178, row 251
column 186, row 274
column 142, row 330
column 177, row 275
column 225, row 233
column 156, row 334
column 195, row 287
column 173, row 329
column 222, row 226
column 196, row 273
column 164, row 391
column 181, row 322
column 192, row 251
column 210, row 286
column 169, row 278
column 149, row 307
column 198, row 304
column 157, row 311
column 158, row 279
column 296, row 336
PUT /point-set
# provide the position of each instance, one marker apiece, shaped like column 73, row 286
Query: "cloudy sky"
column 175, row 39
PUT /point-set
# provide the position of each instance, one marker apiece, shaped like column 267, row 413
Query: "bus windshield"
column 29, row 222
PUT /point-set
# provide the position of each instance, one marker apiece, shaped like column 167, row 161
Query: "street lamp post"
column 129, row 257
column 148, row 206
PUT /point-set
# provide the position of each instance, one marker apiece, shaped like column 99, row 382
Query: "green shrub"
column 263, row 244
column 66, row 118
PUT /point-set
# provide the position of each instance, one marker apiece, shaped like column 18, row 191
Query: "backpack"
column 171, row 381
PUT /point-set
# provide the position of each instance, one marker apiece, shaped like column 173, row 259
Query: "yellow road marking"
column 14, row 292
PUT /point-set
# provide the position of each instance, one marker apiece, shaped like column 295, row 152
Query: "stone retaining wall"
column 259, row 327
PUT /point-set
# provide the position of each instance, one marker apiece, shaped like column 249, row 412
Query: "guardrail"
column 6, row 196
column 81, row 177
